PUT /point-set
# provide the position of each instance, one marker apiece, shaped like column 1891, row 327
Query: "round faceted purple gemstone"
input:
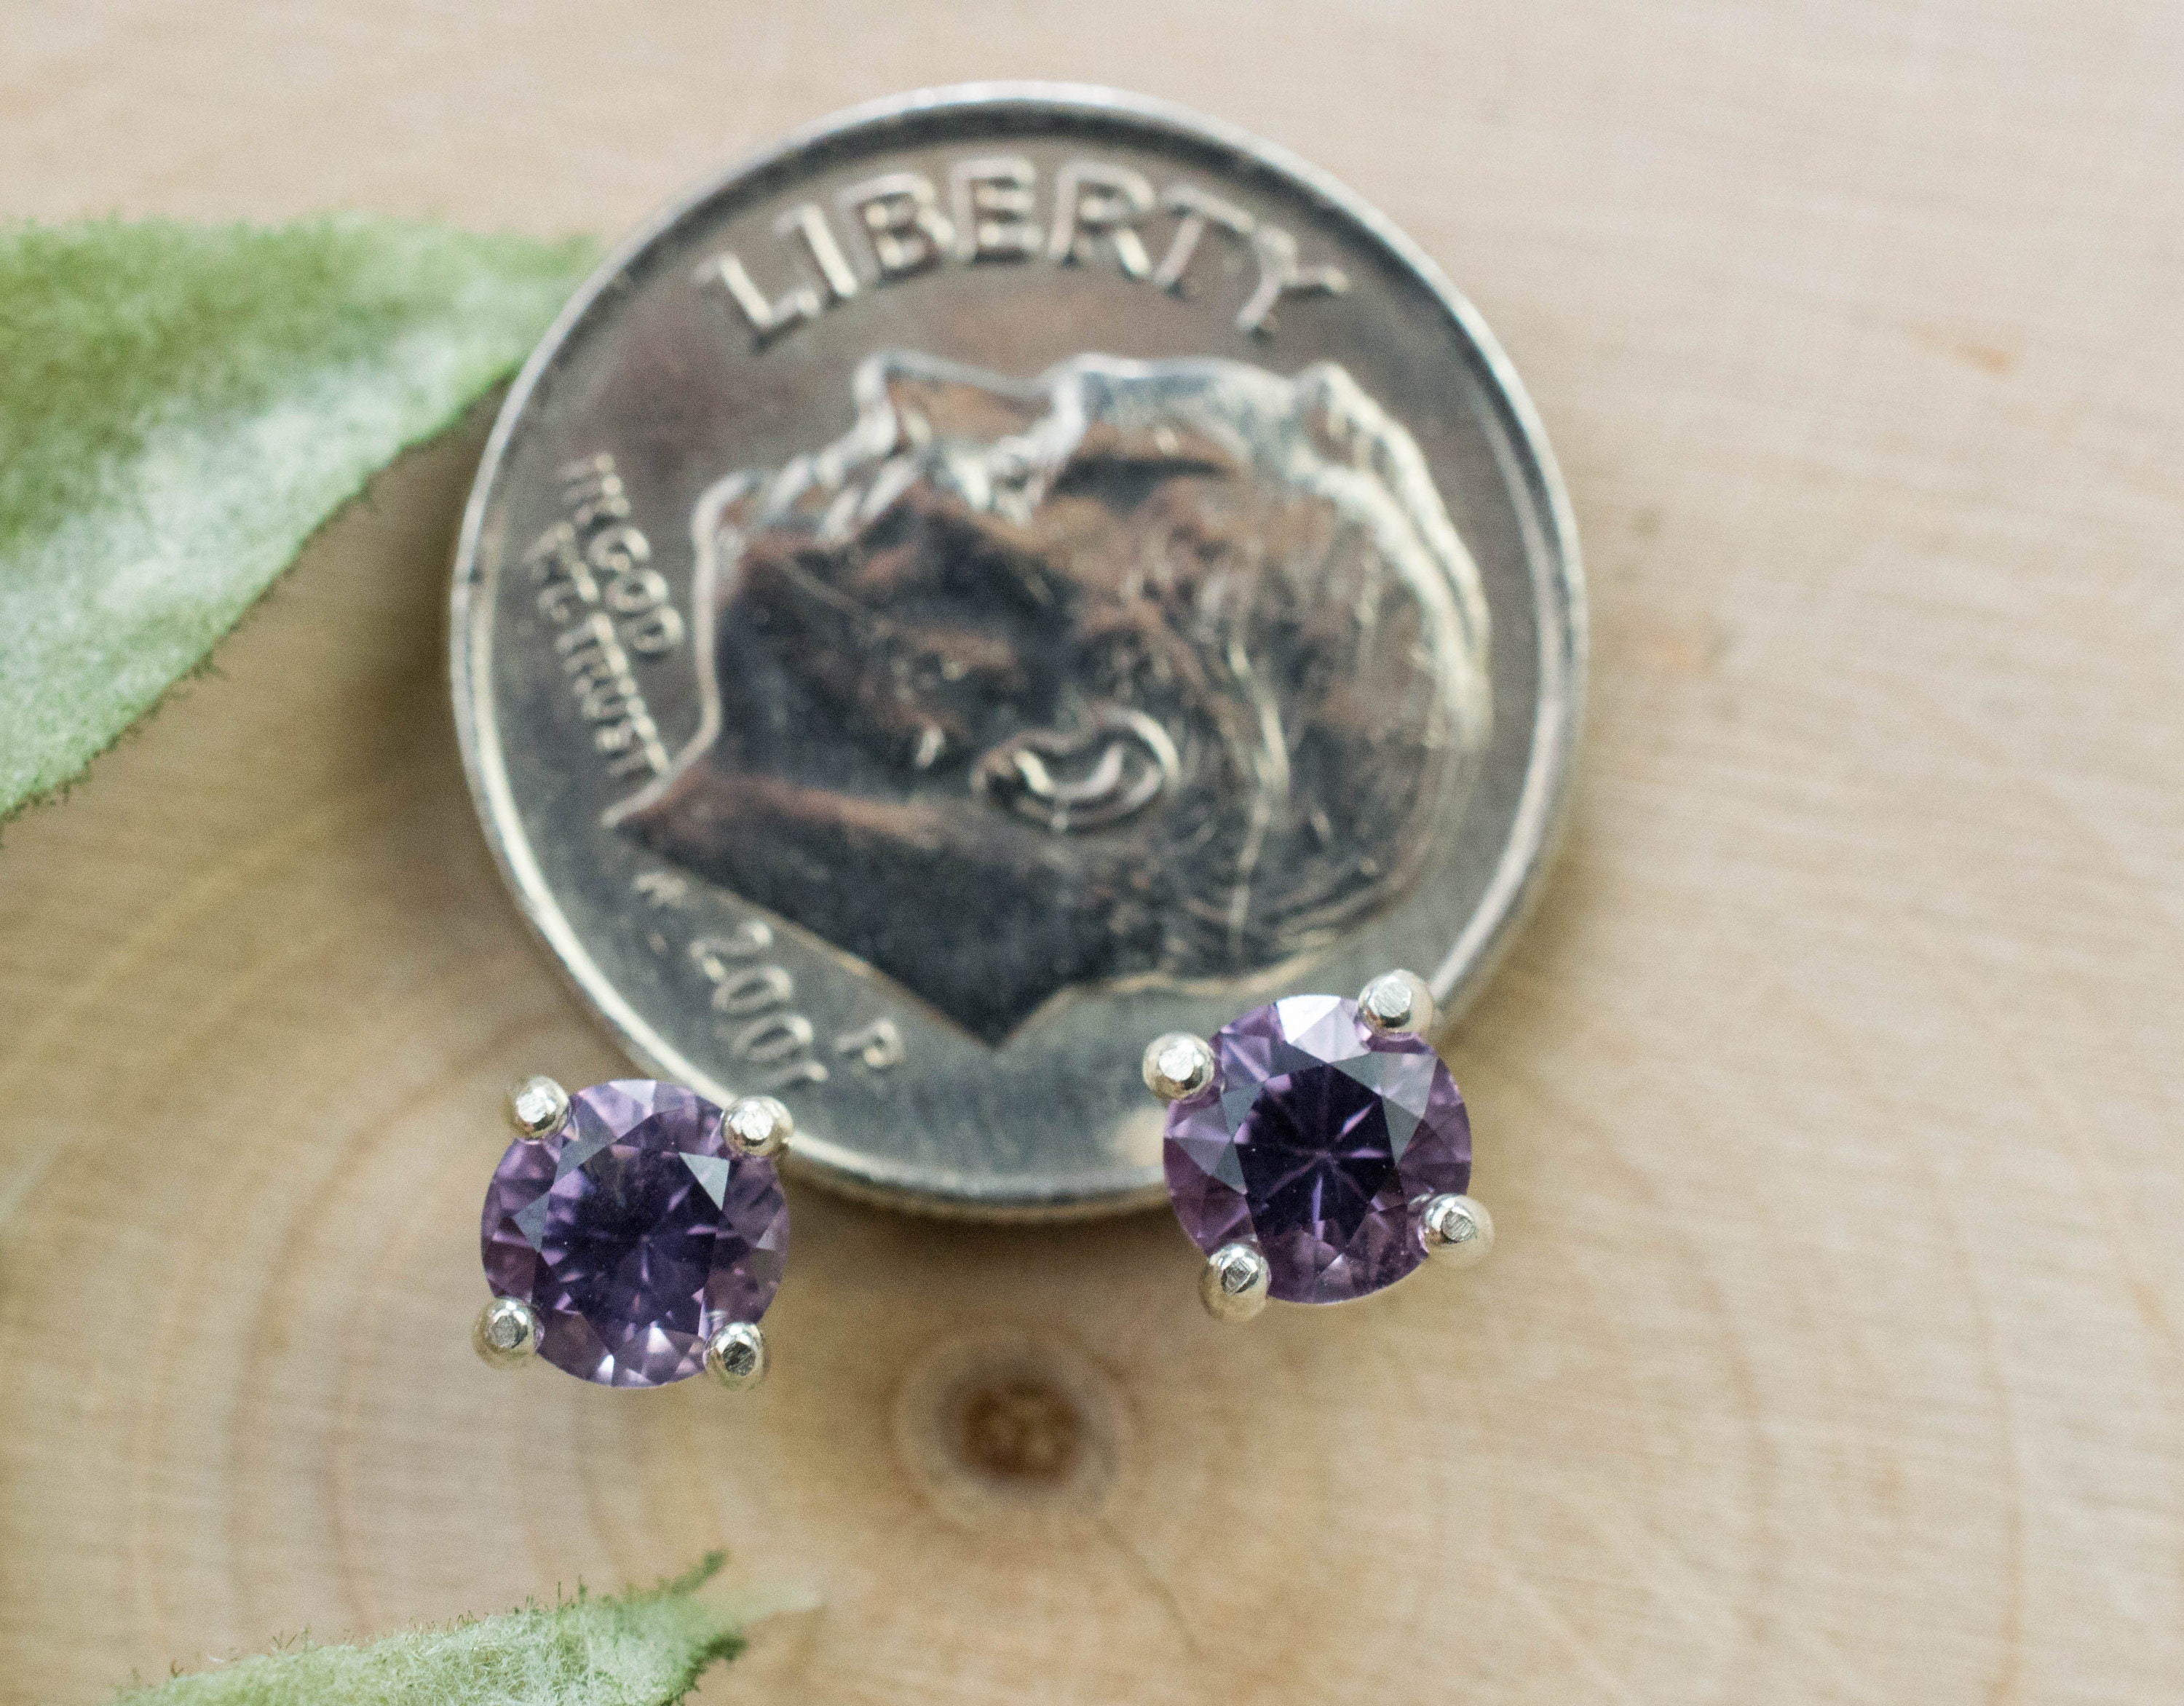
column 1320, row 1141
column 635, row 1232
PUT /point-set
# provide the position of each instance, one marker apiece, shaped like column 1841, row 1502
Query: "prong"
column 537, row 1107
column 1398, row 1002
column 736, row 1357
column 1457, row 1231
column 507, row 1332
column 1178, row 1066
column 1233, row 1287
column 758, row 1126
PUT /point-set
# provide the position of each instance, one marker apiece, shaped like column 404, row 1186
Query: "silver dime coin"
column 1010, row 572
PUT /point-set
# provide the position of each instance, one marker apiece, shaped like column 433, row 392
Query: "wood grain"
column 1830, row 1109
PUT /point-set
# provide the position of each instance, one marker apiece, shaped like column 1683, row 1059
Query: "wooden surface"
column 1830, row 1108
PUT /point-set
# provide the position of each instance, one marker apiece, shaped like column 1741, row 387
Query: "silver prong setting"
column 506, row 1333
column 1234, row 1285
column 758, row 1128
column 1398, row 1003
column 537, row 1107
column 737, row 1357
column 1178, row 1066
column 1457, row 1231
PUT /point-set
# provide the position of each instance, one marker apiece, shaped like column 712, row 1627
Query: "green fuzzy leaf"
column 182, row 407
column 642, row 1649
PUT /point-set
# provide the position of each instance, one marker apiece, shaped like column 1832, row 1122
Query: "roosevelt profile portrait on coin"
column 1135, row 671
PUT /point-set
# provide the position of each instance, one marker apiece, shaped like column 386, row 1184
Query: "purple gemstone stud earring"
column 634, row 1233
column 1318, row 1149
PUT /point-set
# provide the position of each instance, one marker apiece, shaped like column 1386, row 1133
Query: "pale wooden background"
column 1831, row 1107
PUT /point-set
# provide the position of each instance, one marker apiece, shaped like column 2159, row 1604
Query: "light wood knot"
column 1008, row 1425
